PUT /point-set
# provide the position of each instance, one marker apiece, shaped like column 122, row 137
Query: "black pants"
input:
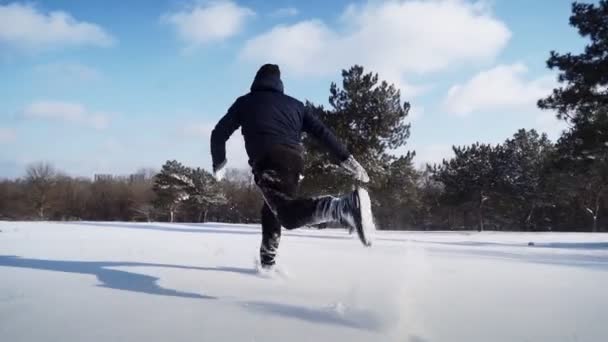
column 277, row 174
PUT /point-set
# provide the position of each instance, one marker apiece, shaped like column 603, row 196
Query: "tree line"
column 525, row 183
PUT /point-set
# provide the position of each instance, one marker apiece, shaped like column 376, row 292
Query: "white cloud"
column 235, row 146
column 285, row 12
column 297, row 47
column 214, row 21
column 7, row 135
column 502, row 87
column 394, row 38
column 24, row 26
column 66, row 112
column 68, row 71
column 506, row 88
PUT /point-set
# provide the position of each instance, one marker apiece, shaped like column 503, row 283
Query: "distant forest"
column 525, row 183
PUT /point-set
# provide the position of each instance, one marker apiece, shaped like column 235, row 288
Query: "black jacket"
column 268, row 117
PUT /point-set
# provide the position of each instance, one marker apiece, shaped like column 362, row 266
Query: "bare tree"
column 147, row 211
column 143, row 195
column 147, row 173
column 69, row 198
column 40, row 179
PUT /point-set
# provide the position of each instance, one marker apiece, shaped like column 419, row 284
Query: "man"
column 272, row 124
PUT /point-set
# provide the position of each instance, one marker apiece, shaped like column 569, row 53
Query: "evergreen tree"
column 203, row 192
column 431, row 211
column 522, row 180
column 397, row 196
column 582, row 164
column 583, row 100
column 585, row 76
column 471, row 178
column 171, row 185
column 368, row 116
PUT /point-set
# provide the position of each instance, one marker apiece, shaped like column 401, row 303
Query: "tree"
column 582, row 155
column 143, row 195
column 110, row 199
column 368, row 116
column 71, row 196
column 583, row 102
column 397, row 197
column 522, row 180
column 243, row 200
column 170, row 186
column 203, row 192
column 13, row 200
column 145, row 174
column 471, row 178
column 585, row 76
column 432, row 214
column 40, row 178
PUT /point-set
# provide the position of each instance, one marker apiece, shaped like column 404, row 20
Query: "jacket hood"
column 268, row 78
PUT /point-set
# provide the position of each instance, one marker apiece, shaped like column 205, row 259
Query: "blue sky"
column 112, row 86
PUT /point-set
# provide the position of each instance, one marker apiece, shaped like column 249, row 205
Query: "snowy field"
column 181, row 282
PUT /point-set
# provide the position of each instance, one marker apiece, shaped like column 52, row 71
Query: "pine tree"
column 582, row 161
column 397, row 197
column 585, row 76
column 203, row 192
column 583, row 101
column 170, row 186
column 471, row 179
column 431, row 212
column 522, row 180
column 368, row 116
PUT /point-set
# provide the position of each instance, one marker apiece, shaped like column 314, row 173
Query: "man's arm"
column 313, row 126
column 319, row 131
column 220, row 134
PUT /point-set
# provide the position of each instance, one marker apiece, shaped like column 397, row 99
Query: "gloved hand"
column 353, row 167
column 219, row 171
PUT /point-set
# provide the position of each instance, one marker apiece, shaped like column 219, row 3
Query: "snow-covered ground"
column 182, row 282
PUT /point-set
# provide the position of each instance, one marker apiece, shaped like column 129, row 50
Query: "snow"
column 92, row 281
column 183, row 178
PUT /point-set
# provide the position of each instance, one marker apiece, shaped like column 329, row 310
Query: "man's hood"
column 268, row 78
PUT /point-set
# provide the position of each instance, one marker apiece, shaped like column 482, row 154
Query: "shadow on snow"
column 117, row 279
column 353, row 319
column 142, row 283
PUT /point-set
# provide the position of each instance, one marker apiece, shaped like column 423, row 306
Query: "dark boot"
column 352, row 211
